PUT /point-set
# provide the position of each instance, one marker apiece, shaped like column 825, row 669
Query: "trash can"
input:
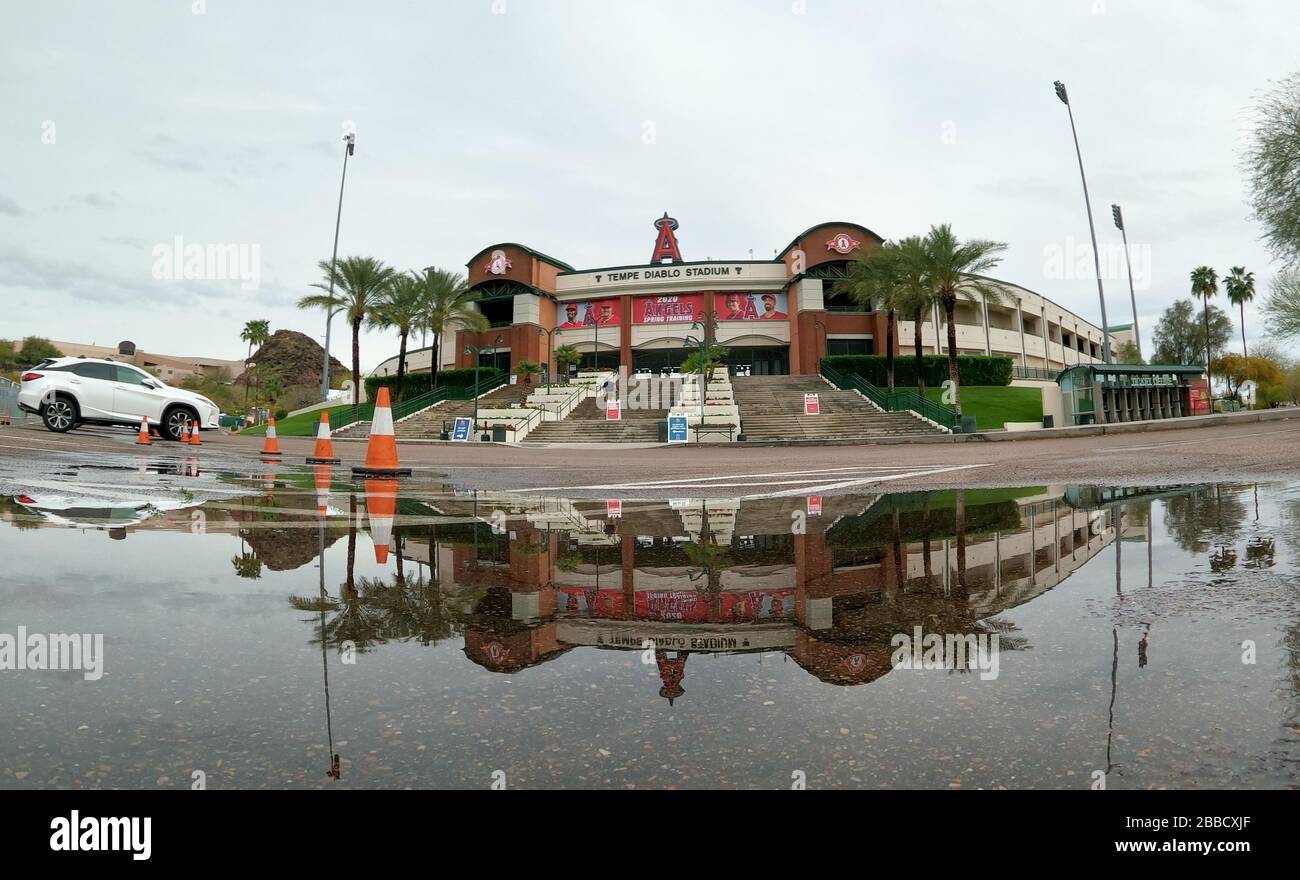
column 967, row 424
column 663, row 431
column 1049, row 421
column 498, row 433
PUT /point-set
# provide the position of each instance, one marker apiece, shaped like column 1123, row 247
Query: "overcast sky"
column 570, row 126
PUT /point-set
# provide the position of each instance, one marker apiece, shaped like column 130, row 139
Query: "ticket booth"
column 1115, row 393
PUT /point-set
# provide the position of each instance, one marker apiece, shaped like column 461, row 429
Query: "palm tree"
column 915, row 297
column 703, row 361
column 358, row 283
column 565, row 356
column 247, row 565
column 875, row 282
column 400, row 306
column 255, row 333
column 1205, row 284
column 448, row 302
column 1240, row 287
column 951, row 269
column 527, row 370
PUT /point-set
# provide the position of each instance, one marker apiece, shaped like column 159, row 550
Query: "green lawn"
column 302, row 425
column 992, row 405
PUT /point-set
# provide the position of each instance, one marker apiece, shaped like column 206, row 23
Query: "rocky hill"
column 295, row 359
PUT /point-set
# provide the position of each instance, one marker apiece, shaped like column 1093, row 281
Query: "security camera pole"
column 350, row 139
column 1087, row 203
column 1119, row 224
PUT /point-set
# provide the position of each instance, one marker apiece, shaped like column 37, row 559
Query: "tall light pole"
column 477, row 352
column 1096, row 256
column 550, row 353
column 1119, row 224
column 350, row 141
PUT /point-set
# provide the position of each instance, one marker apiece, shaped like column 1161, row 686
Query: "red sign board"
column 613, row 411
column 589, row 314
column 687, row 606
column 613, row 508
column 1198, row 392
column 812, row 405
column 681, row 309
column 814, row 505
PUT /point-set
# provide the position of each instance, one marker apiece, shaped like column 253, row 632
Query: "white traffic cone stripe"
column 381, row 530
column 383, row 422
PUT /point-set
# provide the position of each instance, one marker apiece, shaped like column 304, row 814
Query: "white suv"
column 69, row 391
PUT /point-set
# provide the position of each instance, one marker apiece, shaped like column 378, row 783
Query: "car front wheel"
column 59, row 415
column 174, row 422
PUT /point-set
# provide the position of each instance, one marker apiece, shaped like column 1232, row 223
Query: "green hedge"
column 971, row 369
column 415, row 384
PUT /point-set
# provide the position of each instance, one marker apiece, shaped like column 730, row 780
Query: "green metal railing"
column 1040, row 373
column 891, row 401
column 403, row 408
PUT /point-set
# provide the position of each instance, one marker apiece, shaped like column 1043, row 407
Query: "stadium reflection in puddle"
column 318, row 632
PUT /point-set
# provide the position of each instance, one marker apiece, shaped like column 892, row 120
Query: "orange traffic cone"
column 381, row 507
column 271, row 446
column 322, row 475
column 185, row 431
column 324, row 451
column 194, row 435
column 381, row 449
column 143, row 439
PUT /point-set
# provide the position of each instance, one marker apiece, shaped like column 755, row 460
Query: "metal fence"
column 1041, row 373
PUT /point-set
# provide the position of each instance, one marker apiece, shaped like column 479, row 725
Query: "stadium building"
column 775, row 316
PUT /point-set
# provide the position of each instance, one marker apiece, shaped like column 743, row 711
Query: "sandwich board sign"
column 613, row 508
column 613, row 411
column 460, row 432
column 812, row 405
column 814, row 505
column 677, row 429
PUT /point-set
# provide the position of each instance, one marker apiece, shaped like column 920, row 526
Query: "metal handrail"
column 403, row 408
column 891, row 401
column 1045, row 373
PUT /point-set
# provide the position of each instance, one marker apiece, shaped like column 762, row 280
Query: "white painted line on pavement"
column 652, row 484
column 826, row 487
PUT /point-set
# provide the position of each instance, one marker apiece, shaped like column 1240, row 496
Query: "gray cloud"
column 97, row 200
column 525, row 127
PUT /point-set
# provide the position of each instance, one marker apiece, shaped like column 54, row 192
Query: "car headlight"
column 204, row 400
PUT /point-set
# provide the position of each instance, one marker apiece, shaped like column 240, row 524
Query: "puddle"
column 255, row 625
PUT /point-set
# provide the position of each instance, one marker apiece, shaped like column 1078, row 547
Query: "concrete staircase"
column 771, row 408
column 427, row 423
column 587, row 424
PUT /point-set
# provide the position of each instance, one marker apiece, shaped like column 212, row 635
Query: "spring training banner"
column 685, row 308
column 682, row 309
